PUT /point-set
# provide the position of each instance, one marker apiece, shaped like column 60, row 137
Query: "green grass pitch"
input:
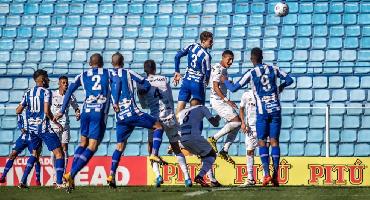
column 196, row 192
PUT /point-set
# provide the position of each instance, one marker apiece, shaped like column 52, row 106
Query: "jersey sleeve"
column 71, row 89
column 243, row 101
column 140, row 80
column 206, row 113
column 47, row 96
column 233, row 87
column 24, row 99
column 216, row 73
column 283, row 76
column 183, row 52
column 74, row 103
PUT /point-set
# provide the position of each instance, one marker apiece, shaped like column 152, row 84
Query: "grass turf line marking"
column 200, row 192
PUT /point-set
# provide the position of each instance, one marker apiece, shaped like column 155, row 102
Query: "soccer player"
column 128, row 115
column 191, row 126
column 37, row 102
column 224, row 106
column 197, row 72
column 160, row 102
column 95, row 82
column 23, row 141
column 263, row 79
column 57, row 102
column 248, row 127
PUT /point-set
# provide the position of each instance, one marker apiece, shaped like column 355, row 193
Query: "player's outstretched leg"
column 229, row 140
column 228, row 128
column 31, row 161
column 207, row 162
column 8, row 165
column 116, row 157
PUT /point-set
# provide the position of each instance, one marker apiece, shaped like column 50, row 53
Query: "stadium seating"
column 324, row 45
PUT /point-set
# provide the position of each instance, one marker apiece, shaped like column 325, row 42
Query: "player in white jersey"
column 160, row 102
column 191, row 126
column 248, row 127
column 224, row 106
column 56, row 105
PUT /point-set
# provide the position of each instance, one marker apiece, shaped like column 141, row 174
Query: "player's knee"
column 120, row 146
column 250, row 152
column 175, row 147
column 261, row 143
column 65, row 147
column 58, row 153
column 236, row 119
column 212, row 153
column 274, row 142
column 157, row 126
column 13, row 155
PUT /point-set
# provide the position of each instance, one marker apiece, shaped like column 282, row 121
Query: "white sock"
column 250, row 163
column 226, row 129
column 182, row 162
column 211, row 176
column 156, row 169
column 52, row 160
column 65, row 160
column 230, row 138
column 207, row 163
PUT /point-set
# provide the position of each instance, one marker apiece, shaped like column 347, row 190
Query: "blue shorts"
column 125, row 127
column 21, row 143
column 93, row 125
column 49, row 137
column 192, row 89
column 268, row 125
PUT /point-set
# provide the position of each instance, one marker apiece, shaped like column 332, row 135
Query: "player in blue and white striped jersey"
column 37, row 102
column 197, row 73
column 96, row 85
column 263, row 79
column 23, row 141
column 128, row 115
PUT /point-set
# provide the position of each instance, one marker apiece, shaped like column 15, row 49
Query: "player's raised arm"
column 67, row 97
column 207, row 67
column 22, row 104
column 283, row 76
column 75, row 107
column 183, row 52
column 233, row 87
column 140, row 80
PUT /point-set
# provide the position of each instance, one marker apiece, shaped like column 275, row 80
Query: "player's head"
column 41, row 78
column 227, row 58
column 117, row 60
column 256, row 56
column 63, row 83
column 206, row 39
column 150, row 67
column 194, row 102
column 96, row 60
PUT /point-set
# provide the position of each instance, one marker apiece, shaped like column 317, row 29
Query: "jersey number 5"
column 97, row 85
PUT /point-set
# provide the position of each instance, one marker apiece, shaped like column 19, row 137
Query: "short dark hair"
column 149, row 67
column 63, row 78
column 227, row 52
column 120, row 58
column 257, row 52
column 96, row 57
column 205, row 35
column 39, row 72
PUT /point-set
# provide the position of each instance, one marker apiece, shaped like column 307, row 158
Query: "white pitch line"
column 200, row 192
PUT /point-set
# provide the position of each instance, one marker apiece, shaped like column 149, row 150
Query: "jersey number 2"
column 97, row 85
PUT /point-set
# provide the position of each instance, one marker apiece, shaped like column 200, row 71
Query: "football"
column 281, row 9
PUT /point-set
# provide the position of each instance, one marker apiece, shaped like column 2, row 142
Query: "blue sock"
column 31, row 161
column 77, row 154
column 116, row 157
column 59, row 168
column 8, row 166
column 82, row 161
column 264, row 154
column 157, row 140
column 275, row 154
column 38, row 170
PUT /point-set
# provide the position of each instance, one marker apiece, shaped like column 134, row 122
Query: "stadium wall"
column 136, row 170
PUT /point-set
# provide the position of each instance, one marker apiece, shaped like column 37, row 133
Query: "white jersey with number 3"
column 191, row 120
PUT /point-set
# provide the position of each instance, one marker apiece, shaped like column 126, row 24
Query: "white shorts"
column 251, row 139
column 170, row 127
column 196, row 145
column 223, row 109
column 65, row 136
